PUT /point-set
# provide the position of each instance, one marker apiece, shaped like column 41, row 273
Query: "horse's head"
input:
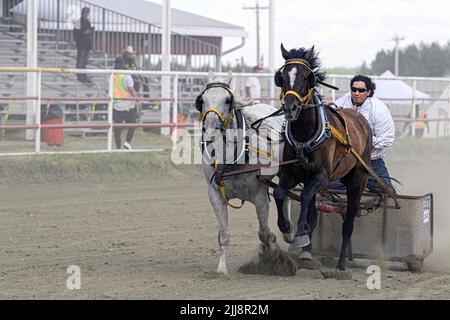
column 216, row 103
column 297, row 79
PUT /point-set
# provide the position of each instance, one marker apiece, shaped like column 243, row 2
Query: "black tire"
column 415, row 266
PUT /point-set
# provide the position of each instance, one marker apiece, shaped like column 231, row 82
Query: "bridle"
column 225, row 120
column 302, row 99
column 307, row 98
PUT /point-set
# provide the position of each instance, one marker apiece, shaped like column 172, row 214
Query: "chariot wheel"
column 415, row 266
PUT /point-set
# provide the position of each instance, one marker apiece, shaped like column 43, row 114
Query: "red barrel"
column 53, row 137
column 325, row 207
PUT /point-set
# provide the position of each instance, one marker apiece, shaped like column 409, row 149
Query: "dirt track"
column 156, row 238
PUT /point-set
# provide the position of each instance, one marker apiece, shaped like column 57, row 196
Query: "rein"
column 330, row 131
column 226, row 121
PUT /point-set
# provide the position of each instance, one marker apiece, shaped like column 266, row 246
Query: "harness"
column 241, row 123
column 226, row 121
column 324, row 130
column 233, row 116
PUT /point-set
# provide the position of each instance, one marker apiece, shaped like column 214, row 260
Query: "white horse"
column 220, row 115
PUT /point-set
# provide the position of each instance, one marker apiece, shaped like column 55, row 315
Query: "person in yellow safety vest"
column 124, row 109
column 420, row 125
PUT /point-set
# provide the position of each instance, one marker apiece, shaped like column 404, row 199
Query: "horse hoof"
column 337, row 274
column 302, row 241
column 288, row 237
column 305, row 255
column 343, row 275
column 272, row 238
column 222, row 269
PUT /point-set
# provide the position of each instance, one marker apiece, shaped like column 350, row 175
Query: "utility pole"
column 257, row 9
column 397, row 40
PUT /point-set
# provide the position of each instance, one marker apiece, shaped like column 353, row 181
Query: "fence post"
column 149, row 51
column 31, row 58
column 165, row 65
column 272, row 92
column 175, row 110
column 447, row 123
column 37, row 142
column 333, row 92
column 110, row 112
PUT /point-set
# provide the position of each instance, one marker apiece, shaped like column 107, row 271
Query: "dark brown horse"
column 322, row 158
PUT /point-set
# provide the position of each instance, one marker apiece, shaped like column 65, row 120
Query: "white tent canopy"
column 398, row 92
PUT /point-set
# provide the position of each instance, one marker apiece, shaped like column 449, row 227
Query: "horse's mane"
column 313, row 61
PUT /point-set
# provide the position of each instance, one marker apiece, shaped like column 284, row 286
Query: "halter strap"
column 300, row 99
column 225, row 121
column 229, row 118
column 305, row 64
column 302, row 62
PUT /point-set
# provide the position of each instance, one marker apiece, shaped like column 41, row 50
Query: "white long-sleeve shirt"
column 380, row 121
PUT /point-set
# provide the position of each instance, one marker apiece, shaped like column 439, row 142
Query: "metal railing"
column 176, row 99
column 182, row 100
column 113, row 33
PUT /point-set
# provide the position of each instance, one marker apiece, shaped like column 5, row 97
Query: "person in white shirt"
column 381, row 123
column 253, row 87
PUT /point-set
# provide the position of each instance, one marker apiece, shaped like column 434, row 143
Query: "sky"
column 346, row 33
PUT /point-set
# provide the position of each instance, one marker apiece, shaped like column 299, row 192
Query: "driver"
column 361, row 99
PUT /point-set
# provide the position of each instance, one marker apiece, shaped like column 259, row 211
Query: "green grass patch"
column 92, row 167
column 136, row 166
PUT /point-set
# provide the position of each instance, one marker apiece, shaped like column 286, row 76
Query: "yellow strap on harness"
column 222, row 190
column 344, row 141
column 259, row 152
column 335, row 132
column 298, row 61
column 226, row 122
column 301, row 99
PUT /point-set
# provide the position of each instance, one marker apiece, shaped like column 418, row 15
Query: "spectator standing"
column 253, row 87
column 83, row 32
column 129, row 58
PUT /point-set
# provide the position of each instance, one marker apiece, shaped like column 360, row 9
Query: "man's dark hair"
column 85, row 9
column 370, row 85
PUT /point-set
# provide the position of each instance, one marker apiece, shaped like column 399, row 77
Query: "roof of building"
column 183, row 22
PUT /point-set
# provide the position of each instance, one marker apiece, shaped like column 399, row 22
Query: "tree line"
column 423, row 60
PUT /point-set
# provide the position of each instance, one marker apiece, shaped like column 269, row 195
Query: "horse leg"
column 282, row 201
column 355, row 184
column 221, row 210
column 272, row 260
column 262, row 211
column 316, row 184
column 312, row 222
